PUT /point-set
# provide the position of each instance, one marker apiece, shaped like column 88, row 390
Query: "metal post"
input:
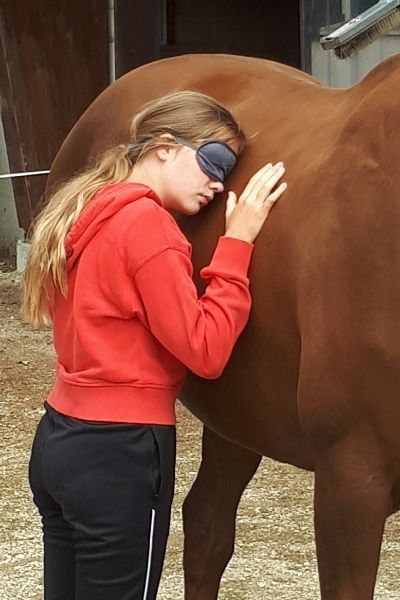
column 111, row 41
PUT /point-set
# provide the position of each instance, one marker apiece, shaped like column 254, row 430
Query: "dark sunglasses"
column 215, row 159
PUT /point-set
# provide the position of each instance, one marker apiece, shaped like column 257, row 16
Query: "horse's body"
column 315, row 378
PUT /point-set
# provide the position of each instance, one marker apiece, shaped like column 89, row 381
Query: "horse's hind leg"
column 209, row 513
column 352, row 500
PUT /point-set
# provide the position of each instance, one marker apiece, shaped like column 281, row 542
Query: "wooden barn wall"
column 53, row 63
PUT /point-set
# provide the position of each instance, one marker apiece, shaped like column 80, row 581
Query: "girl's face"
column 186, row 188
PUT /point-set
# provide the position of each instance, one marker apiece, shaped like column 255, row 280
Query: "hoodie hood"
column 102, row 207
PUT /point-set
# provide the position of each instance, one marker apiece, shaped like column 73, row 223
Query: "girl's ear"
column 167, row 152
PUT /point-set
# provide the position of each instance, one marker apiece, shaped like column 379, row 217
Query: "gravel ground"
column 274, row 556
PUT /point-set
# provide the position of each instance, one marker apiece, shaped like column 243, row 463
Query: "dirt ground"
column 274, row 556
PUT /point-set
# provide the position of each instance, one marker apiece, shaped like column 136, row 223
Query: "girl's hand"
column 245, row 216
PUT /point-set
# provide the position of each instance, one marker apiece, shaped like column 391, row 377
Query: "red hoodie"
column 132, row 322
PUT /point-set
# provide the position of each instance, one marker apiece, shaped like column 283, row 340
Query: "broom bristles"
column 368, row 36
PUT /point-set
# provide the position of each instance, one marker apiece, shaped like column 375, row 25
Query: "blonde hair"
column 186, row 114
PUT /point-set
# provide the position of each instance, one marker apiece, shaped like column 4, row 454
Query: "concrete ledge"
column 22, row 255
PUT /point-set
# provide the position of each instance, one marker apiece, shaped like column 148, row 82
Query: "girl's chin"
column 193, row 209
column 183, row 208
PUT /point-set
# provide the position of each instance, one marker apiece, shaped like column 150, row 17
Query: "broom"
column 364, row 29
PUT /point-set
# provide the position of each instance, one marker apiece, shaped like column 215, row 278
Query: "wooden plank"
column 391, row 44
column 368, row 58
column 342, row 73
column 12, row 124
column 54, row 59
column 320, row 63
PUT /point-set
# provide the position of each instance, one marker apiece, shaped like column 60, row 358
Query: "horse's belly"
column 254, row 403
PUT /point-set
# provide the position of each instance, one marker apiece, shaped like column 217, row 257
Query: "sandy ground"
column 274, row 556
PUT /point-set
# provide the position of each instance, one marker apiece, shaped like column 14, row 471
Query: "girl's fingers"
column 261, row 171
column 230, row 203
column 272, row 177
column 265, row 185
column 272, row 198
column 256, row 178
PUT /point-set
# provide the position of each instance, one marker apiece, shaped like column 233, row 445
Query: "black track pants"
column 104, row 492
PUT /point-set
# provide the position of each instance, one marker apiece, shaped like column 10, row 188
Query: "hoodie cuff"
column 232, row 255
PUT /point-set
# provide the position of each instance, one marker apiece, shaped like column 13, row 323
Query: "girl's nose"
column 217, row 186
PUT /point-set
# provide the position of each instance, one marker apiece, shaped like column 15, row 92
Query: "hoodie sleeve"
column 198, row 331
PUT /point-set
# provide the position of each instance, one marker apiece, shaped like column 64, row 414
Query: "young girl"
column 112, row 271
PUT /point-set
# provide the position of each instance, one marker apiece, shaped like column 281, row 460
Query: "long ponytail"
column 45, row 267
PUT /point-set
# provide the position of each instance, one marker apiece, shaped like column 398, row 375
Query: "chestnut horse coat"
column 315, row 378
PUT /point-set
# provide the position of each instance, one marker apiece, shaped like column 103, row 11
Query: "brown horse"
column 315, row 378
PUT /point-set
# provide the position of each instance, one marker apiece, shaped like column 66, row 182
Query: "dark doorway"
column 150, row 29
